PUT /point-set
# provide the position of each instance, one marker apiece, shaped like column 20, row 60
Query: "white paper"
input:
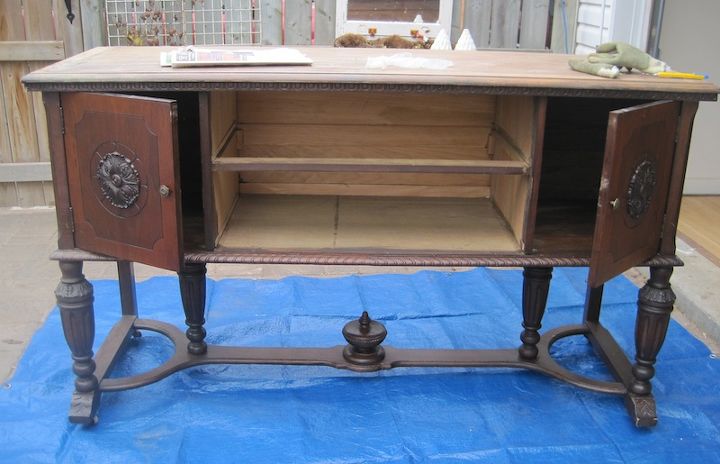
column 407, row 60
column 200, row 56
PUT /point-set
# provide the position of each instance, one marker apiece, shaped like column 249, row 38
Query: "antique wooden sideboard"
column 502, row 159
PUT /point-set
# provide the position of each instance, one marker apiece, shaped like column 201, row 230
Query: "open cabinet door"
column 122, row 163
column 633, row 189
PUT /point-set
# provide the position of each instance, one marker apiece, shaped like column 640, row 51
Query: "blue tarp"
column 251, row 414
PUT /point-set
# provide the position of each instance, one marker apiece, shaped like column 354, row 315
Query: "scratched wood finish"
column 540, row 73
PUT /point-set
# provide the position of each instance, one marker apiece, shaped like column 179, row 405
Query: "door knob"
column 615, row 203
column 164, row 191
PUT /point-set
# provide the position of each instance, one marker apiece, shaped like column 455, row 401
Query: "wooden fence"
column 34, row 33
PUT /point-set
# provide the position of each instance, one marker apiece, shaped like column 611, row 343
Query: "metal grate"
column 183, row 22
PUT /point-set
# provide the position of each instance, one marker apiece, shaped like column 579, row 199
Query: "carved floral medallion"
column 641, row 188
column 118, row 179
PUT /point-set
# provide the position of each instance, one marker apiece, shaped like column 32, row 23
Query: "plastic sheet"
column 275, row 414
column 407, row 60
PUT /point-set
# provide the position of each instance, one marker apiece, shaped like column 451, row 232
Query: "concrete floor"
column 28, row 279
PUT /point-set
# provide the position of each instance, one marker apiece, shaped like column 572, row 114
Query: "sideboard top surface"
column 333, row 69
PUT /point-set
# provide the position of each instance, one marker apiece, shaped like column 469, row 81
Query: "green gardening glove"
column 625, row 55
column 596, row 69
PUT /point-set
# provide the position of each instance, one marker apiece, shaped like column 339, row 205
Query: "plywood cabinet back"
column 364, row 125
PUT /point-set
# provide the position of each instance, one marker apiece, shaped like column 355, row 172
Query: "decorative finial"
column 364, row 337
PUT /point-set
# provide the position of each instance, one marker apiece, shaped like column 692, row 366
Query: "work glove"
column 625, row 55
column 596, row 69
column 612, row 56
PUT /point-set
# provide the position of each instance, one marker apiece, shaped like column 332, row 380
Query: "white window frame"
column 385, row 28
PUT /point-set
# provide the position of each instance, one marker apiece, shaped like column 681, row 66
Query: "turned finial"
column 364, row 337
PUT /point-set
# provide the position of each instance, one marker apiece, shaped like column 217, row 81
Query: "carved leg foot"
column 192, row 291
column 641, row 409
column 655, row 303
column 75, row 299
column 536, row 283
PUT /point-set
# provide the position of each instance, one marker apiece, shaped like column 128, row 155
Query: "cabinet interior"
column 573, row 154
column 356, row 170
column 384, row 171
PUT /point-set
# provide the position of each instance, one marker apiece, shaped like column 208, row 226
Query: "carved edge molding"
column 368, row 259
column 363, row 87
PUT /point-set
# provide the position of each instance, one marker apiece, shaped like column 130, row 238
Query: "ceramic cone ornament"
column 465, row 42
column 442, row 41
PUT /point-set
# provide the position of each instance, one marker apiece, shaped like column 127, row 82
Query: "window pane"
column 393, row 10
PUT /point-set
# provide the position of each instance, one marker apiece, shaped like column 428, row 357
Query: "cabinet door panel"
column 633, row 189
column 123, row 174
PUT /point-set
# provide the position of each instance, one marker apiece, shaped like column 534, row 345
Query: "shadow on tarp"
column 250, row 414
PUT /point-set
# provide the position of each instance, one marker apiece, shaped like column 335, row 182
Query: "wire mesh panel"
column 183, row 22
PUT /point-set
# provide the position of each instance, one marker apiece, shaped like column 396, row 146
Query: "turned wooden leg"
column 536, row 283
column 75, row 299
column 192, row 291
column 655, row 303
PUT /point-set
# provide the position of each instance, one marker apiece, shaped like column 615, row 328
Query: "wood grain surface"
column 330, row 222
column 502, row 69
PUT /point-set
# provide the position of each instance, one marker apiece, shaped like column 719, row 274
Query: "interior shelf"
column 305, row 222
column 504, row 167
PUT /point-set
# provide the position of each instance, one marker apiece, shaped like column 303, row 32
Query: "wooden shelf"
column 504, row 167
column 315, row 222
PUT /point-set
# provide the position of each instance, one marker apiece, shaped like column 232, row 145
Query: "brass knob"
column 164, row 191
column 615, row 203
